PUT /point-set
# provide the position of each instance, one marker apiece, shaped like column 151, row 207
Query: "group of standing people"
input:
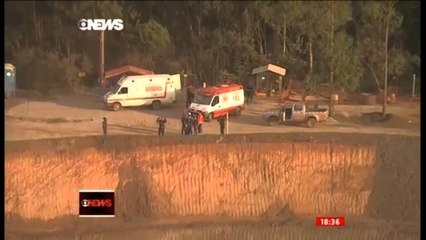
column 192, row 123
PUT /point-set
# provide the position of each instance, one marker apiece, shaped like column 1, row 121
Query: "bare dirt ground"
column 301, row 228
column 80, row 115
column 396, row 174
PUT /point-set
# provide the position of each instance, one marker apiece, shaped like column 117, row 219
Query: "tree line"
column 347, row 44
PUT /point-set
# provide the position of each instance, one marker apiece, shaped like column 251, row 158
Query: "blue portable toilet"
column 9, row 80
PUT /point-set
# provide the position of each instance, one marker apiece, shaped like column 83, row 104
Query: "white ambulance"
column 215, row 102
column 155, row 90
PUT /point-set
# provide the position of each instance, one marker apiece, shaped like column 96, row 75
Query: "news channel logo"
column 100, row 24
column 85, row 202
column 96, row 203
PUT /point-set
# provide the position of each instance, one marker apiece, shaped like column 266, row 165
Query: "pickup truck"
column 296, row 113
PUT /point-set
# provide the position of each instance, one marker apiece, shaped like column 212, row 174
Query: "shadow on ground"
column 140, row 130
column 49, row 120
column 375, row 119
column 395, row 193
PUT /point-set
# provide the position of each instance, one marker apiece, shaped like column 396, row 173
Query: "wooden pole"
column 284, row 38
column 102, row 58
column 413, row 93
column 385, row 93
column 280, row 89
column 227, row 123
column 331, row 107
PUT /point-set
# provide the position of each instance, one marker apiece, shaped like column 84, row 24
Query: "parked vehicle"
column 154, row 90
column 217, row 101
column 296, row 113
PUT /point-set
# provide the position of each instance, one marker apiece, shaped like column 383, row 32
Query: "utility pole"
column 185, row 75
column 413, row 93
column 385, row 90
column 102, row 58
column 331, row 107
column 284, row 37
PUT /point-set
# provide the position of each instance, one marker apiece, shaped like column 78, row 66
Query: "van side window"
column 298, row 108
column 123, row 90
column 215, row 101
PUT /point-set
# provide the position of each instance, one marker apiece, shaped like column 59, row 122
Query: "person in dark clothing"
column 222, row 122
column 183, row 121
column 189, row 96
column 104, row 125
column 250, row 93
column 161, row 121
column 192, row 96
column 188, row 124
column 195, row 123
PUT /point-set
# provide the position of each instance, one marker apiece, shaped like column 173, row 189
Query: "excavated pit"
column 371, row 180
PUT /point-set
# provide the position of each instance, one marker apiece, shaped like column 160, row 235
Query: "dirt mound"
column 10, row 103
column 259, row 175
column 376, row 119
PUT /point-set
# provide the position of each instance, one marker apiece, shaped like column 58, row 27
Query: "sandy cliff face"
column 218, row 179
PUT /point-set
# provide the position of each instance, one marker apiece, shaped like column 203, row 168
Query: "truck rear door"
column 287, row 113
column 175, row 83
column 173, row 88
column 298, row 113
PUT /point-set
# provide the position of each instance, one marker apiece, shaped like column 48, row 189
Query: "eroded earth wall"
column 261, row 175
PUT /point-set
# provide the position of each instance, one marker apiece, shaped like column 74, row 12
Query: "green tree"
column 314, row 40
column 307, row 25
column 155, row 38
column 375, row 18
column 344, row 58
column 339, row 59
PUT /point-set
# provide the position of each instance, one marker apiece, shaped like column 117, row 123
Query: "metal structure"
column 264, row 78
column 126, row 69
column 9, row 80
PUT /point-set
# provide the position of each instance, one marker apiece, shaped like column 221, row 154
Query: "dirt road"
column 81, row 115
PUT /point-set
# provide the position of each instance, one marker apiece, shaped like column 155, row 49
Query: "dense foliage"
column 339, row 42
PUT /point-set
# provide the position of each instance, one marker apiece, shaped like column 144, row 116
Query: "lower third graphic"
column 96, row 203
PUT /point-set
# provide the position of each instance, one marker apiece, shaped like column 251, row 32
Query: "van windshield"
column 202, row 99
column 119, row 82
column 116, row 88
